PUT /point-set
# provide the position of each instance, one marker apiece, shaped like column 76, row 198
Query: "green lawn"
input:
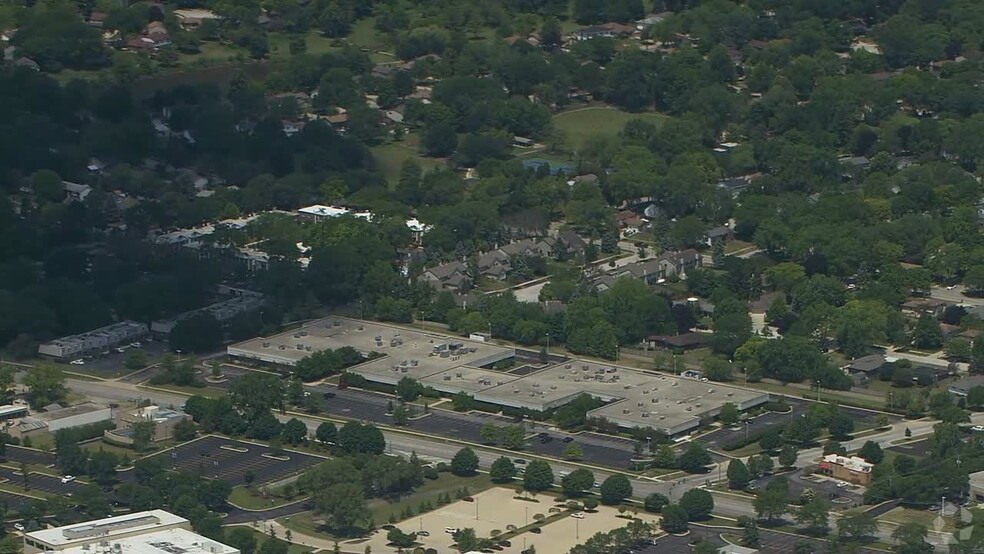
column 581, row 123
column 924, row 517
column 390, row 156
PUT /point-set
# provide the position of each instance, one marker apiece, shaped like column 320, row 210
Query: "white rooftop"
column 105, row 529
column 168, row 541
column 852, row 463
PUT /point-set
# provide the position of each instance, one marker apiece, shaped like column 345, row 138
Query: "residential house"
column 671, row 264
column 627, row 219
column 919, row 306
column 528, row 247
column 572, row 243
column 96, row 19
column 963, row 386
column 594, row 31
column 527, row 223
column 452, row 275
column 865, row 368
column 494, row 264
column 651, row 19
column 24, row 61
column 75, row 192
column 722, row 233
column 192, row 18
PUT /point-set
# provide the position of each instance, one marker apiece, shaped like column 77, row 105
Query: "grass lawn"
column 251, row 499
column 581, row 123
column 429, row 491
column 924, row 517
column 390, row 156
column 96, row 446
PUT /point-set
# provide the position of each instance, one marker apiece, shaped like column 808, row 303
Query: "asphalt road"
column 956, row 295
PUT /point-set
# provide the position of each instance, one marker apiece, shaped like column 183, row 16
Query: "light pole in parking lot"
column 746, row 429
column 548, row 346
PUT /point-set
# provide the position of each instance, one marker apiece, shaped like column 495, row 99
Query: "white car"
column 450, row 530
column 19, row 526
column 951, row 287
column 578, row 515
column 841, row 485
column 67, row 479
column 135, row 344
column 977, row 428
column 120, row 350
column 80, row 361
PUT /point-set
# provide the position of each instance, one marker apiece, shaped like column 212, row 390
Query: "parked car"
column 77, row 362
column 536, row 530
column 578, row 515
column 568, row 439
column 423, row 533
column 520, row 461
column 19, row 526
column 450, row 530
column 67, row 479
column 468, row 499
column 977, row 428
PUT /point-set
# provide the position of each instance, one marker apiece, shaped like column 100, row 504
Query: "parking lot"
column 918, row 449
column 772, row 541
column 823, row 486
column 230, row 459
column 14, row 502
column 112, row 363
column 19, row 454
column 366, row 406
column 40, row 482
column 773, row 420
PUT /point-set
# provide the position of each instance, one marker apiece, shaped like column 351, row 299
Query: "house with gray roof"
column 452, row 275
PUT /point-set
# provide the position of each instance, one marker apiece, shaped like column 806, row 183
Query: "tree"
column 513, row 437
column 694, row 459
column 551, row 35
column 357, row 438
column 400, row 539
column 674, row 519
column 255, row 394
column 200, row 333
column 409, row 389
column 788, row 455
column 770, row 441
column 729, row 414
column 615, row 489
column 185, row 430
column 344, row 507
column 857, row 527
column 326, row 433
column 655, row 502
column 440, row 140
column 738, row 475
column 142, row 432
column 464, row 463
column 698, row 503
column 573, row 452
column 491, row 433
column 770, row 504
column 242, row 539
column 503, row 470
column 911, row 539
column 872, row 452
column 665, row 457
column 45, row 384
column 815, row 515
column 538, row 477
column 802, row 430
column 273, row 545
column 56, row 37
column 764, row 464
column 841, row 425
column 294, row 432
column 927, row 334
column 577, row 482
column 750, row 536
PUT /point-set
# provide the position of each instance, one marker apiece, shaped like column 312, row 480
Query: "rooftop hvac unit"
column 679, row 401
column 576, row 380
column 662, row 417
column 458, row 375
column 639, row 404
column 710, row 391
column 447, row 377
column 567, row 366
column 266, row 344
column 698, row 405
column 626, row 411
column 626, row 387
column 515, row 391
column 536, row 385
column 297, row 335
column 498, row 383
column 303, row 333
column 585, row 367
column 730, row 394
column 553, row 387
column 690, row 408
column 378, row 338
column 361, row 327
column 561, row 377
column 655, row 400
column 645, row 414
column 308, row 348
column 413, row 363
column 300, row 346
column 645, row 391
column 675, row 384
column 337, row 323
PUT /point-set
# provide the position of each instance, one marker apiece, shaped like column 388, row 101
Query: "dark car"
column 468, row 499
column 520, row 461
column 388, row 527
column 536, row 530
column 568, row 439
column 546, row 439
column 505, row 543
column 329, row 395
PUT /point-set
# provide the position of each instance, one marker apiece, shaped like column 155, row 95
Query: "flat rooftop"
column 452, row 364
column 69, row 411
column 105, row 529
column 170, row 541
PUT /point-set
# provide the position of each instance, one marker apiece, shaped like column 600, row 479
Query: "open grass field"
column 292, row 549
column 390, row 156
column 923, row 517
column 581, row 123
column 251, row 499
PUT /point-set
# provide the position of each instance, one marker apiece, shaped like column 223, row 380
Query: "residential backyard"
column 599, row 121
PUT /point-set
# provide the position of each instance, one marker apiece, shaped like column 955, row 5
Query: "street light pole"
column 943, row 507
column 548, row 345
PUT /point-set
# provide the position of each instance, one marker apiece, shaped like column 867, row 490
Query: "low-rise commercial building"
column 221, row 311
column 104, row 338
column 847, row 468
column 151, row 532
column 963, row 386
column 58, row 418
column 163, row 419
